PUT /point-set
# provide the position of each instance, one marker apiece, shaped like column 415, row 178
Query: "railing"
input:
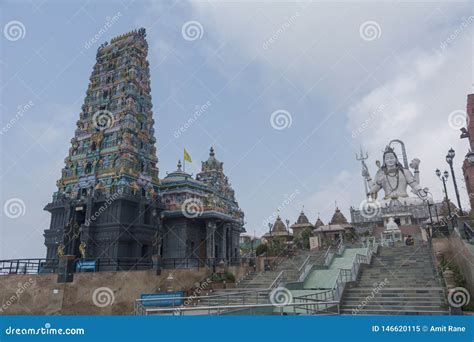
column 240, row 298
column 346, row 275
column 113, row 264
column 279, row 279
column 444, row 285
column 305, row 270
column 34, row 266
column 28, row 266
column 328, row 256
column 323, row 296
column 468, row 231
column 188, row 263
column 343, row 277
column 307, row 307
column 340, row 247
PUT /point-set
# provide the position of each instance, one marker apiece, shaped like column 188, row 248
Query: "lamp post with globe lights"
column 444, row 177
column 449, row 159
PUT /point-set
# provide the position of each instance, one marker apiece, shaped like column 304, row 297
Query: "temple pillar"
column 225, row 229
column 210, row 239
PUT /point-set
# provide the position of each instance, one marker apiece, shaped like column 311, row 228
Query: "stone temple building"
column 110, row 203
column 202, row 219
column 278, row 233
column 337, row 228
column 302, row 224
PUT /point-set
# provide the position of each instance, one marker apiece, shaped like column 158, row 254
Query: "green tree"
column 261, row 249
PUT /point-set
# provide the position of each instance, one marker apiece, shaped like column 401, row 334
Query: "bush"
column 229, row 277
column 261, row 249
column 458, row 277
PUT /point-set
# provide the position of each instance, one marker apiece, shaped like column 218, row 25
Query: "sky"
column 292, row 90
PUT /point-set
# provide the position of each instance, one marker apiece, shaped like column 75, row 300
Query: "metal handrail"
column 323, row 294
column 339, row 284
column 277, row 280
column 328, row 256
column 166, row 299
column 28, row 266
column 310, row 307
column 304, row 263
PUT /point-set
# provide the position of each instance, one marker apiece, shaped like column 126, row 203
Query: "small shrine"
column 301, row 225
column 338, row 228
column 278, row 233
column 391, row 234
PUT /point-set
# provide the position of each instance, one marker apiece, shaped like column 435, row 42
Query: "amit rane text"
column 447, row 328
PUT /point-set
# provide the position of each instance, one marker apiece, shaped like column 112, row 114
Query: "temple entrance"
column 72, row 233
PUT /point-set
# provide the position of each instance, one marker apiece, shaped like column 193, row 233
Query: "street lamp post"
column 449, row 159
column 444, row 178
column 428, row 231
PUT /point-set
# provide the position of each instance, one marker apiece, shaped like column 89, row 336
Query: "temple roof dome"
column 279, row 226
column 319, row 223
column 338, row 217
column 212, row 163
column 302, row 219
column 178, row 175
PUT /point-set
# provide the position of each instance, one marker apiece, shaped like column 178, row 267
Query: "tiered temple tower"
column 107, row 202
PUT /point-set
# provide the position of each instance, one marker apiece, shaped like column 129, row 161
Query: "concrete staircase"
column 262, row 280
column 401, row 280
column 253, row 289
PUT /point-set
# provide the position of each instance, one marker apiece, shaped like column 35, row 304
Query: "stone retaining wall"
column 40, row 294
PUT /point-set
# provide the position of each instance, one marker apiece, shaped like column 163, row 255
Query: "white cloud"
column 417, row 106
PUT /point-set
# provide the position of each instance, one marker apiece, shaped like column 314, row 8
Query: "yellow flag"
column 187, row 157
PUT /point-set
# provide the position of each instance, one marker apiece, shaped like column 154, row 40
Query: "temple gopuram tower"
column 106, row 205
